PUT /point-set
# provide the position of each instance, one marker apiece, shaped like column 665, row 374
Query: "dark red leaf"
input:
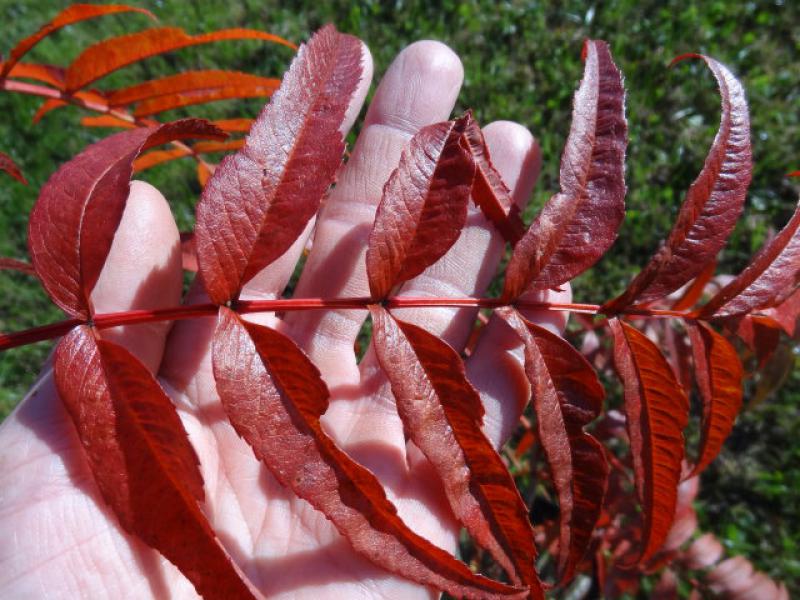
column 759, row 333
column 141, row 458
column 79, row 208
column 109, row 55
column 259, row 200
column 8, row 165
column 48, row 74
column 71, row 14
column 657, row 411
column 442, row 414
column 771, row 276
column 274, row 397
column 566, row 397
column 12, row 264
column 489, row 192
column 719, row 378
column 694, row 291
column 423, row 208
column 712, row 205
column 578, row 225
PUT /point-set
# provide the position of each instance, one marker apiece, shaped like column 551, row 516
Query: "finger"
column 142, row 271
column 419, row 88
column 468, row 267
column 497, row 366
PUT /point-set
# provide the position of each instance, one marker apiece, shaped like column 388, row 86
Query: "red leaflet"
column 770, row 277
column 191, row 87
column 8, row 165
column 578, row 225
column 489, row 192
column 79, row 208
column 109, row 55
column 90, row 98
column 787, row 313
column 566, row 396
column 712, row 205
column 442, row 413
column 71, row 14
column 259, row 200
column 694, row 291
column 759, row 333
column 423, row 208
column 141, row 458
column 12, row 264
column 274, row 397
column 156, row 157
column 657, row 411
column 49, row 74
column 719, row 378
column 234, row 125
column 107, row 121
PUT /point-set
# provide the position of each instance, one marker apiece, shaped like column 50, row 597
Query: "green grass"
column 522, row 63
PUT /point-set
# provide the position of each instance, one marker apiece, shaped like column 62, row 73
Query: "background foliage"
column 522, row 62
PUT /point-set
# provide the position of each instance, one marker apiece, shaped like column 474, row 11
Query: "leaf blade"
column 567, row 396
column 712, row 205
column 268, row 386
column 141, row 458
column 8, row 165
column 423, row 208
column 578, row 225
column 279, row 178
column 719, row 377
column 655, row 422
column 442, row 413
column 78, row 210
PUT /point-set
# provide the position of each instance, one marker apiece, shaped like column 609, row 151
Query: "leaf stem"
column 189, row 311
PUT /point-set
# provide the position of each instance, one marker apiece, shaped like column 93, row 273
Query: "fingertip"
column 142, row 271
column 516, row 155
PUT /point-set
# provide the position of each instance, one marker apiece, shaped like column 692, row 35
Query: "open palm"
column 58, row 539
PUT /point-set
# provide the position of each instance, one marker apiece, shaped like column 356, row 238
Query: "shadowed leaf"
column 274, row 397
column 71, row 14
column 657, row 411
column 578, row 225
column 442, row 414
column 8, row 165
column 719, row 377
column 424, row 206
column 141, row 458
column 12, row 264
column 259, row 200
column 566, row 396
column 107, row 56
column 74, row 220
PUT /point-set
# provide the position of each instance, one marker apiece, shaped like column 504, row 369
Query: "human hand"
column 58, row 537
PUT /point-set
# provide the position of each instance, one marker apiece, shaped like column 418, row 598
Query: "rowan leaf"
column 141, row 458
column 259, row 200
column 786, row 314
column 577, row 225
column 657, row 411
column 12, row 264
column 49, row 74
column 78, row 210
column 442, row 414
column 68, row 16
column 711, row 207
column 8, row 165
column 107, row 56
column 423, row 208
column 489, row 192
column 189, row 88
column 760, row 333
column 694, row 291
column 107, row 121
column 771, row 277
column 566, row 396
column 90, row 98
column 274, row 397
column 157, row 157
column 719, row 377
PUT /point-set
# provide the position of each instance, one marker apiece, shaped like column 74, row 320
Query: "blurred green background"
column 522, row 62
